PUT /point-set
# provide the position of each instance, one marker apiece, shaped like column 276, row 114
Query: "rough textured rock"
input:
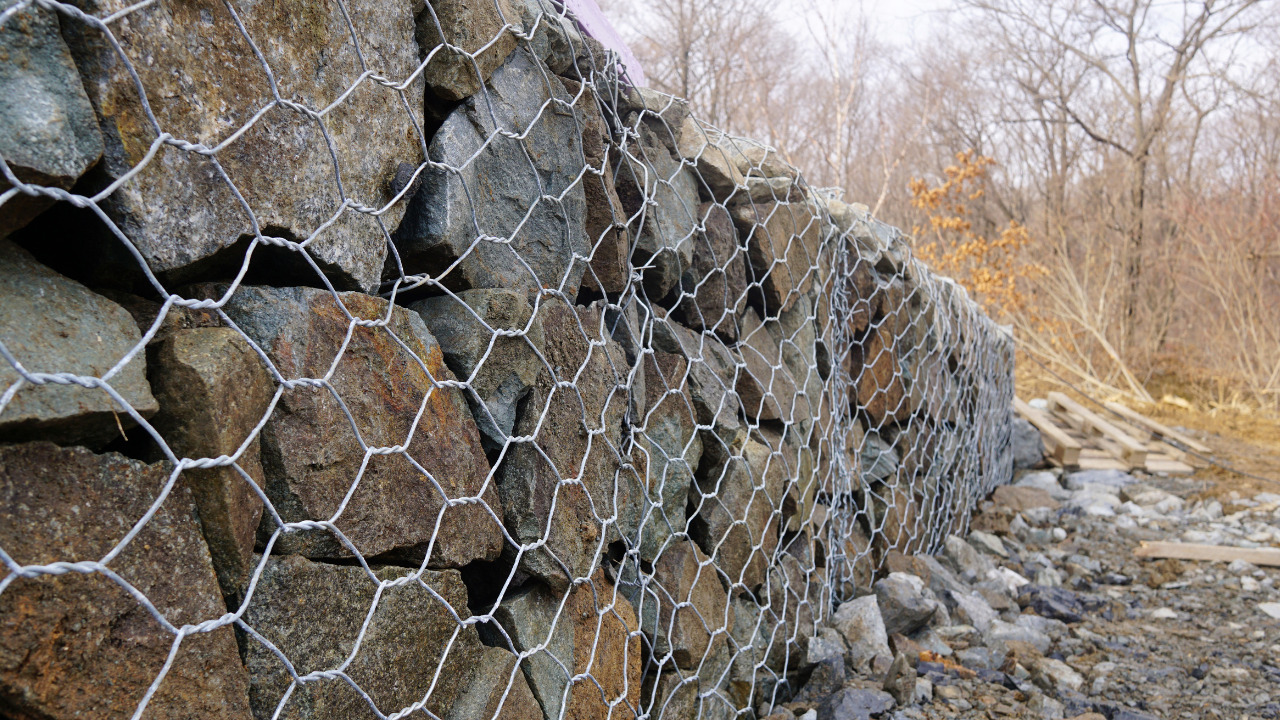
column 783, row 241
column 900, row 681
column 497, row 691
column 507, row 190
column 606, row 220
column 662, row 195
column 879, row 377
column 715, row 283
column 671, row 448
column 79, row 645
column 501, row 369
column 683, row 574
column 48, row 133
column 716, row 167
column 860, row 623
column 1023, row 498
column 713, row 377
column 1028, row 446
column 903, row 605
column 588, row 635
column 577, row 434
column 855, row 704
column 477, row 29
column 407, row 638
column 51, row 324
column 179, row 211
column 311, row 453
column 736, row 514
column 767, row 389
column 213, row 390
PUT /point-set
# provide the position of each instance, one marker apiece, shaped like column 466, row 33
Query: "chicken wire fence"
column 367, row 358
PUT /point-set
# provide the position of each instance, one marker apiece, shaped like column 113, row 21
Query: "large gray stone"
column 1028, row 446
column 737, row 508
column 316, row 613
column 767, row 389
column 497, row 691
column 79, row 645
column 662, row 195
column 213, row 390
column 54, row 325
column 589, row 633
column 48, row 133
column 608, row 236
column 783, row 241
column 478, row 32
column 524, row 191
column 714, row 285
column 862, row 626
column 500, row 368
column 564, row 484
column 855, row 704
column 903, row 605
column 682, row 576
column 292, row 170
column 713, row 373
column 669, row 448
column 312, row 455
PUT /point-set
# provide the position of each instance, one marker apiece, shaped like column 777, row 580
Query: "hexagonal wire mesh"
column 458, row 378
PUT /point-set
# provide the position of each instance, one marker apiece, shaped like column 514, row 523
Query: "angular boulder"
column 313, row 456
column 878, row 377
column 405, row 635
column 497, row 691
column 903, row 604
column 481, row 41
column 606, row 221
column 767, row 389
column 186, row 214
column 714, row 286
column 48, row 133
column 716, row 167
column 670, row 447
column 79, row 645
column 590, row 633
column 682, row 604
column 509, row 212
column 737, row 508
column 862, row 626
column 783, row 241
column 474, row 333
column 564, row 484
column 55, row 325
column 213, row 390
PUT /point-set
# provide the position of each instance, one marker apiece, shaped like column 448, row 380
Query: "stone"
column 592, row 633
column 671, row 696
column 524, row 191
column 405, row 633
column 607, row 233
column 900, row 681
column 48, row 133
column 292, row 171
column 855, row 704
column 827, row 677
column 79, row 645
column 766, row 388
column 713, row 372
column 1111, row 479
column 716, row 167
column 1052, row 674
column 1002, row 635
column 1019, row 499
column 967, row 562
column 714, row 286
column 903, row 605
column 52, row 324
column 497, row 690
column 862, row 626
column 213, row 390
column 1028, row 446
column 661, row 195
column 795, row 600
column 736, row 512
column 501, row 368
column 881, row 390
column 879, row 458
column 783, row 241
column 988, row 543
column 1052, row 602
column 1046, row 481
column 573, row 463
column 478, row 30
column 972, row 609
column 311, row 454
column 824, row 645
column 671, row 446
column 1270, row 609
column 682, row 604
column 557, row 41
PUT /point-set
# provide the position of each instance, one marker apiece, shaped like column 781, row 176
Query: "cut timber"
column 1192, row 551
column 1130, row 450
column 1062, row 447
column 1157, row 428
column 1168, row 466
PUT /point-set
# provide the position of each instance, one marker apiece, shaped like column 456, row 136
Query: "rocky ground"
column 1044, row 612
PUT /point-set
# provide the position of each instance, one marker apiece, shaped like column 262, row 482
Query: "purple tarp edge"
column 592, row 21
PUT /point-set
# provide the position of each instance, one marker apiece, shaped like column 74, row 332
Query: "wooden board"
column 1130, row 450
column 1223, row 553
column 1157, row 428
column 1063, row 449
column 1168, row 466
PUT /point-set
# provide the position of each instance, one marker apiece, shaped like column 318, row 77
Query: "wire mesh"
column 380, row 359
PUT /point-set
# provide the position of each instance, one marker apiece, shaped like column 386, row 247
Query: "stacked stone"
column 377, row 357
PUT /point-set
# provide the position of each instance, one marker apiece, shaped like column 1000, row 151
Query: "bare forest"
column 1104, row 175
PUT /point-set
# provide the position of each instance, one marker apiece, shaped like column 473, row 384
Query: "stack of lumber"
column 1122, row 439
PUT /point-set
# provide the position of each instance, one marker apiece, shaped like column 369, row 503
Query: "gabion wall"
column 385, row 359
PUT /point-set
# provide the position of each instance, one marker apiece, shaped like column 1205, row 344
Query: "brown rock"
column 783, row 241
column 473, row 26
column 873, row 364
column 577, row 436
column 670, row 447
column 312, row 455
column 767, row 390
column 497, row 691
column 79, row 645
column 682, row 574
column 404, row 639
column 737, row 510
column 606, row 223
column 213, row 390
column 715, row 284
column 1023, row 498
column 55, row 325
column 590, row 634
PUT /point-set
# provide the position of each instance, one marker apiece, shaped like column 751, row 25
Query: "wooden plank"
column 1062, row 448
column 1223, row 553
column 1168, row 466
column 1132, row 451
column 1157, row 428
